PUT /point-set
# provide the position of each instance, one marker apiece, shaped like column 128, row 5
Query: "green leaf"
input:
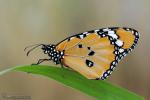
column 101, row 90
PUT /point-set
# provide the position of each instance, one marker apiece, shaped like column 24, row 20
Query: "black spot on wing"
column 80, row 45
column 81, row 36
column 68, row 39
column 91, row 53
column 89, row 48
column 92, row 31
column 89, row 63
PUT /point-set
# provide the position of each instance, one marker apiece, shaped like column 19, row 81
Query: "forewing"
column 95, row 54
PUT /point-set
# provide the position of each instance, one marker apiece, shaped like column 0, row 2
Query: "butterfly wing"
column 95, row 53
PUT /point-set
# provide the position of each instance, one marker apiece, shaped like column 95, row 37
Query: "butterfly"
column 94, row 54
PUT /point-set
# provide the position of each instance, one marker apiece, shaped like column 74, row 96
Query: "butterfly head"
column 50, row 50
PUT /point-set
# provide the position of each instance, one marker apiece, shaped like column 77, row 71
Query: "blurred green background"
column 26, row 22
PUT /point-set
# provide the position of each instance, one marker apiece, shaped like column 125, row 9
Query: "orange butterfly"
column 94, row 54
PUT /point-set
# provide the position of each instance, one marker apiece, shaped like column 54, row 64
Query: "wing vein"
column 80, row 42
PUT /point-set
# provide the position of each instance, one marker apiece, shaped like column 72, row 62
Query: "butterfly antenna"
column 34, row 47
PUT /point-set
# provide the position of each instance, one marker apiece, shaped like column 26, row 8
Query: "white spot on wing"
column 72, row 38
column 81, row 36
column 96, row 31
column 119, row 43
column 121, row 50
column 136, row 34
column 112, row 34
column 85, row 32
column 106, row 29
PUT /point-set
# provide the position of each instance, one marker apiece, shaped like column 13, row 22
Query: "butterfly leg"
column 61, row 64
column 40, row 61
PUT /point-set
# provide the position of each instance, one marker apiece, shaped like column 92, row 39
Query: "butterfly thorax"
column 53, row 54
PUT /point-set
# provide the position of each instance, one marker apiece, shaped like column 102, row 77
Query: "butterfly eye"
column 45, row 52
column 43, row 47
